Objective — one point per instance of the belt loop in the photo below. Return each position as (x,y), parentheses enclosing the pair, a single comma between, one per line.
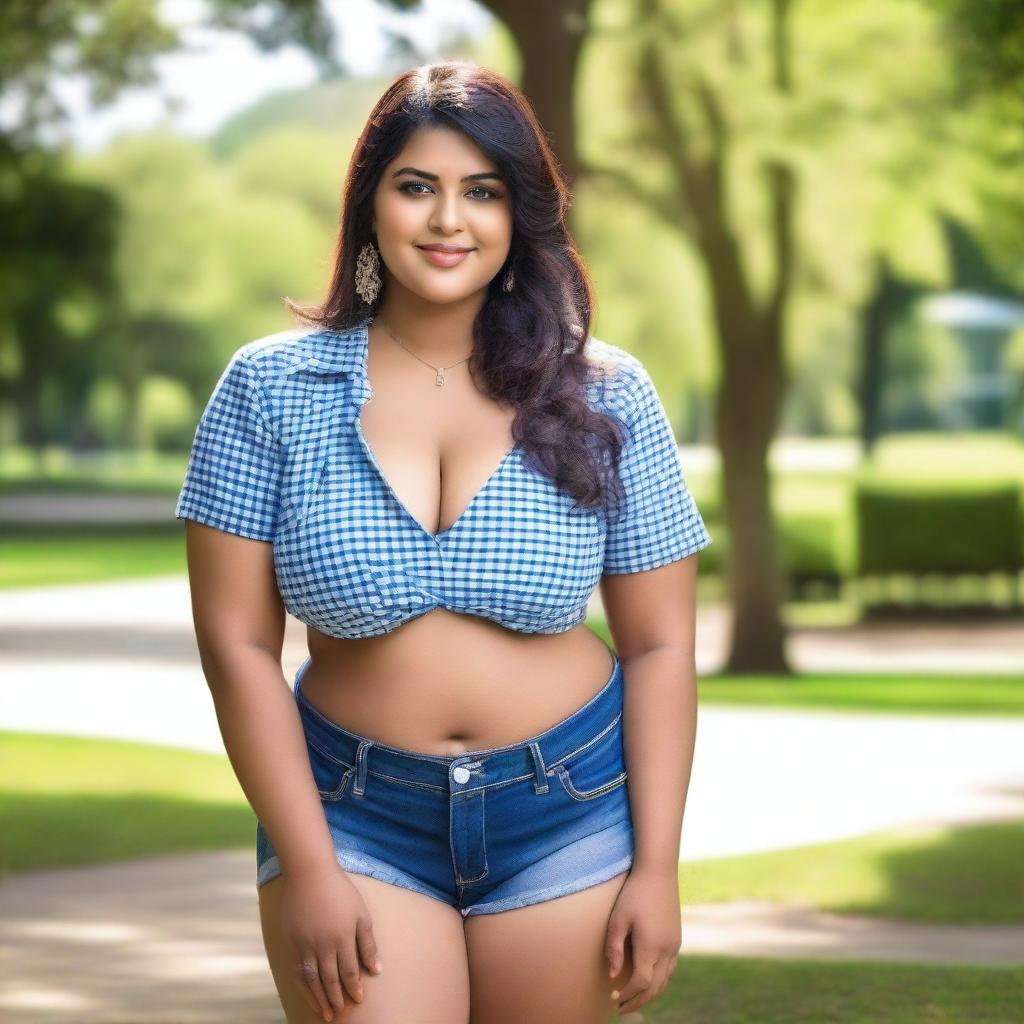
(540,784)
(359,786)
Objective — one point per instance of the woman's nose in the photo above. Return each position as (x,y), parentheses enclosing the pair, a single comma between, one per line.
(446,215)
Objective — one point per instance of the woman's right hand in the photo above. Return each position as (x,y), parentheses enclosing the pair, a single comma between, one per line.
(328,929)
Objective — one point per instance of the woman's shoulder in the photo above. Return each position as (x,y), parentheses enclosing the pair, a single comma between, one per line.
(611,359)
(274,357)
(616,377)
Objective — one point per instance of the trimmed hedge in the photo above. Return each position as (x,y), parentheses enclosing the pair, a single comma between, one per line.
(948,529)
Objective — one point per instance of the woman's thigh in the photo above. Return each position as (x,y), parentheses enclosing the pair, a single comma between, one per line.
(545,963)
(421,944)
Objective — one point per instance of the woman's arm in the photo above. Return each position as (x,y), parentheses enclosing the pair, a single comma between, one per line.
(651,617)
(231,499)
(239,625)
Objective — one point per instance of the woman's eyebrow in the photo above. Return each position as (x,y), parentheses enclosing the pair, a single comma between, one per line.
(433,177)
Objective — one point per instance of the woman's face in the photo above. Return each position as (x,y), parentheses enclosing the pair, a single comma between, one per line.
(422,199)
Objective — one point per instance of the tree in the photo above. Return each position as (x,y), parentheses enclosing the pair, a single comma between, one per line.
(56,239)
(747,127)
(750,327)
(112,46)
(988,42)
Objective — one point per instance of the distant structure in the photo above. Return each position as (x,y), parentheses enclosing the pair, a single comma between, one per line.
(987,397)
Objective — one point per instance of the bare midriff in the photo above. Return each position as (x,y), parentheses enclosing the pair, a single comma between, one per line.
(445,683)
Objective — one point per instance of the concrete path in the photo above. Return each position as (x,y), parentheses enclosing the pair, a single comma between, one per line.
(86,507)
(168,939)
(177,938)
(153,616)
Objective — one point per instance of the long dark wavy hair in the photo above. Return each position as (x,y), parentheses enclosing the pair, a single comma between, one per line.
(529,344)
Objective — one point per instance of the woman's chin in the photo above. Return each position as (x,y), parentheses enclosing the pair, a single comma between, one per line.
(442,293)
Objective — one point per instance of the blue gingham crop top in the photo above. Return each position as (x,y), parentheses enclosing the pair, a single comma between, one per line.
(279,455)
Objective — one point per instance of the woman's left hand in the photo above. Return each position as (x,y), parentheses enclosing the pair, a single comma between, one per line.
(648,911)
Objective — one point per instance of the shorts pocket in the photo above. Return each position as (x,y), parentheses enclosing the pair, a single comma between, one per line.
(330,773)
(597,768)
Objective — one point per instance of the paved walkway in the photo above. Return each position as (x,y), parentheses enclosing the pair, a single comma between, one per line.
(153,617)
(86,507)
(177,938)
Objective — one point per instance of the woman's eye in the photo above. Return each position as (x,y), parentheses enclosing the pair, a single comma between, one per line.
(410,185)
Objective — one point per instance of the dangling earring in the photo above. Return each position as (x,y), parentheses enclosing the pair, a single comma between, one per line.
(367,277)
(509,281)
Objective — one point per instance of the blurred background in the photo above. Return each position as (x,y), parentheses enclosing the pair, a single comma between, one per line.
(806,219)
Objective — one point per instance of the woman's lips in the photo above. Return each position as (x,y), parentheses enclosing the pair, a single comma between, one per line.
(444,259)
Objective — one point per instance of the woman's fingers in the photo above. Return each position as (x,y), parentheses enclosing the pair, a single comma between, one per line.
(367,945)
(312,988)
(654,988)
(348,964)
(639,981)
(331,979)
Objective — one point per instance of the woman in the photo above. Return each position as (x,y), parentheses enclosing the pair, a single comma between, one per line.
(434,473)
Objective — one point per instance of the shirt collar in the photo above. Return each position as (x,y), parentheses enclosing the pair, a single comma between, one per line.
(329,351)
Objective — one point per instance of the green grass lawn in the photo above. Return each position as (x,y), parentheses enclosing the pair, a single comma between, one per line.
(966,874)
(933,694)
(87,557)
(102,800)
(748,990)
(92,800)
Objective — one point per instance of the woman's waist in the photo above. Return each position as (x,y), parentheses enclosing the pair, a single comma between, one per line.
(442,694)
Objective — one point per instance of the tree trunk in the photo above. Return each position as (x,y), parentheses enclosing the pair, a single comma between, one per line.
(549,36)
(747,409)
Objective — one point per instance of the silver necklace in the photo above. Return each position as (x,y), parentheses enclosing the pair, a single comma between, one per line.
(438,370)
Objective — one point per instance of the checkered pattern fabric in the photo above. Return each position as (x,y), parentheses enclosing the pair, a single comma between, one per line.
(279,455)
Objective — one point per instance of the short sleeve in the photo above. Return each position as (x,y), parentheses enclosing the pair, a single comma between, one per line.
(233,479)
(659,522)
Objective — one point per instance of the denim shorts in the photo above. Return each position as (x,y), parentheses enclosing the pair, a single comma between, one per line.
(485,830)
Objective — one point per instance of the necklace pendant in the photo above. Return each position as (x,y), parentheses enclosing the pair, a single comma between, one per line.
(439,377)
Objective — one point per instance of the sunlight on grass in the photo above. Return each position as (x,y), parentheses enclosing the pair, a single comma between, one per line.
(954,693)
(101,800)
(761,990)
(948,457)
(967,874)
(37,561)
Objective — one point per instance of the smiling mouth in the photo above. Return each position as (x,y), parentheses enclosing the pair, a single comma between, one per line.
(442,257)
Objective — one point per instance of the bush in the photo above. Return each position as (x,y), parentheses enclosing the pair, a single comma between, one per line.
(932,529)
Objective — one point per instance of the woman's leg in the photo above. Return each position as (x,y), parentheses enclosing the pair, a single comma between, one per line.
(545,963)
(421,945)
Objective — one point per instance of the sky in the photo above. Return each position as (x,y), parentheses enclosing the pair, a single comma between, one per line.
(219,73)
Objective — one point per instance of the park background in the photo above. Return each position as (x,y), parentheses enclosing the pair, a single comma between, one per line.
(806,219)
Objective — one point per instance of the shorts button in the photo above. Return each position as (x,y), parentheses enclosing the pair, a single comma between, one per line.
(460,774)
